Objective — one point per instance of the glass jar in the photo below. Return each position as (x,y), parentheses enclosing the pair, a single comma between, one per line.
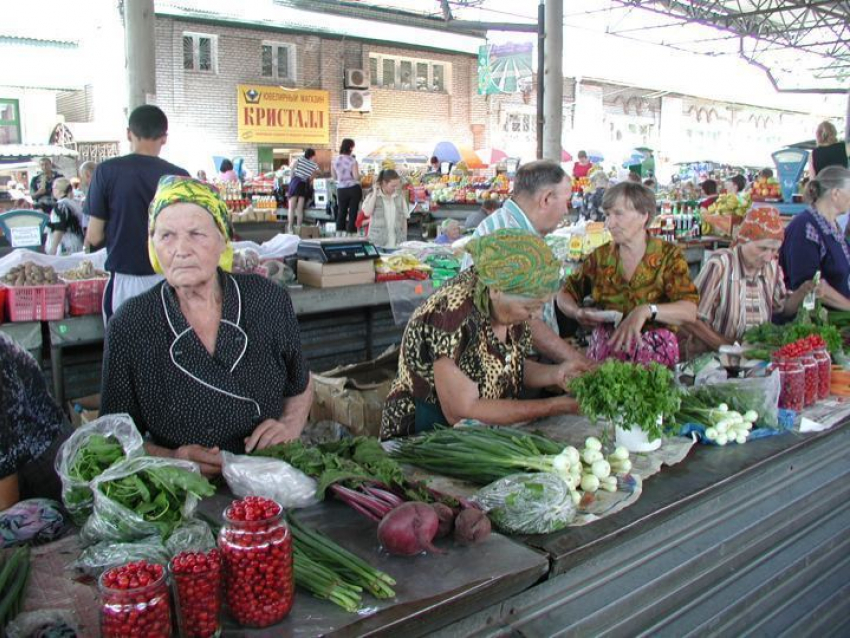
(824,362)
(138,611)
(257,559)
(792,384)
(196,581)
(812,382)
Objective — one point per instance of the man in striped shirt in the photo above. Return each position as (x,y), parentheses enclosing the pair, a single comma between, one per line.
(302,174)
(538,204)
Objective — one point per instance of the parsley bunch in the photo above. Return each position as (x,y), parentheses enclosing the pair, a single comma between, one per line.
(628,393)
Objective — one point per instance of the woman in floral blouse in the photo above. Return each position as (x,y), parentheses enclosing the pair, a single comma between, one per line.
(644,278)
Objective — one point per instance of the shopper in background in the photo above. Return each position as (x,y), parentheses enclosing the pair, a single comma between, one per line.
(66,221)
(349,194)
(121,191)
(709,190)
(202,175)
(736,185)
(488,206)
(583,166)
(86,174)
(593,203)
(41,186)
(450,231)
(303,172)
(226,173)
(386,209)
(829,151)
(434,165)
(642,277)
(814,242)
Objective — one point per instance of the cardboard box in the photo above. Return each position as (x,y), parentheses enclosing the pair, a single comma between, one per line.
(309,232)
(84,410)
(314,273)
(354,395)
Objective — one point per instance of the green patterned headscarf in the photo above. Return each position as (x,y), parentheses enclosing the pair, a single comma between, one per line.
(516,262)
(175,189)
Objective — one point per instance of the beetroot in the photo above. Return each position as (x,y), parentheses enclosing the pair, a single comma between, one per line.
(409,529)
(447,519)
(471,526)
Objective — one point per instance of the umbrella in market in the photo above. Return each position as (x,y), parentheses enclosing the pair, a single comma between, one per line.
(595,156)
(455,153)
(565,156)
(398,153)
(491,155)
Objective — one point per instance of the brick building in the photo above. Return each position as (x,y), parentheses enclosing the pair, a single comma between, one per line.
(419,95)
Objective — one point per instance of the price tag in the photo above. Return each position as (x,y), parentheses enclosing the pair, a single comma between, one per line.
(25,236)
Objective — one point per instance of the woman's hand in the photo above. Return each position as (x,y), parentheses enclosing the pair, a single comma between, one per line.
(627,335)
(208,458)
(271,432)
(569,370)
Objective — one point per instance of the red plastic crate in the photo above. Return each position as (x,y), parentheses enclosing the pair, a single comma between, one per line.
(36,303)
(2,304)
(85,296)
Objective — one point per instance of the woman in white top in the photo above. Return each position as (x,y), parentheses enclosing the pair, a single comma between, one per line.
(346,174)
(386,209)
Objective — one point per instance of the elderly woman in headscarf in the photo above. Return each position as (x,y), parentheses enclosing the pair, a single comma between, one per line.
(206,360)
(742,286)
(465,351)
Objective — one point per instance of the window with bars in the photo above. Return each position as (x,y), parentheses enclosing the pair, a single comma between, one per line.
(408,74)
(278,61)
(518,123)
(10,122)
(199,52)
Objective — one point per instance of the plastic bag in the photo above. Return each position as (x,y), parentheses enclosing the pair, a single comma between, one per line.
(96,559)
(271,478)
(537,503)
(193,535)
(757,393)
(76,493)
(112,521)
(44,623)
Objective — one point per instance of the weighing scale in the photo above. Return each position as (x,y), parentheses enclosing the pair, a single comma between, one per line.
(790,164)
(334,251)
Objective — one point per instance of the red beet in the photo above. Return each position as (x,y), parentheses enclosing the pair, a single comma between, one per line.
(409,529)
(447,519)
(471,526)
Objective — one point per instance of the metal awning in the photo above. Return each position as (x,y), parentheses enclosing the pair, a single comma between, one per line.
(26,152)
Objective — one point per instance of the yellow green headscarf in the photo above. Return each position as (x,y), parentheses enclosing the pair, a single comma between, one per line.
(515,262)
(174,189)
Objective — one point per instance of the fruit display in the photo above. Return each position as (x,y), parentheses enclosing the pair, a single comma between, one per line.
(581,185)
(85,270)
(729,204)
(766,190)
(452,189)
(30,274)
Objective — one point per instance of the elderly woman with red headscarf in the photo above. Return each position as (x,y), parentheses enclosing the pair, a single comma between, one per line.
(742,286)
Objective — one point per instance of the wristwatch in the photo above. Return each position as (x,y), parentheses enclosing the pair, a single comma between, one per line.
(653,310)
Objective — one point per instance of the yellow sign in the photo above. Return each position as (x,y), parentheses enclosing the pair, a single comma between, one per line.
(271,114)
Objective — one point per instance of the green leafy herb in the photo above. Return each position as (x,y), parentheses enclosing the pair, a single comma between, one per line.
(629,394)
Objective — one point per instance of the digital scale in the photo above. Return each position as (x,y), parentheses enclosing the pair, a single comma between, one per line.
(334,251)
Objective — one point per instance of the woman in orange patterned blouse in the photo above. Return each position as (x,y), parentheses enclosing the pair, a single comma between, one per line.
(644,278)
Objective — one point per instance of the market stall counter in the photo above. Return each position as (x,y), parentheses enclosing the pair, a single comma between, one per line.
(736,539)
(431,590)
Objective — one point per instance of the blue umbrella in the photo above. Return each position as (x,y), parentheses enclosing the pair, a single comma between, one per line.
(595,157)
(447,152)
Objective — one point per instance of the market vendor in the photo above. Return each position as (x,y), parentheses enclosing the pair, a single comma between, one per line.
(450,231)
(464,354)
(32,427)
(386,209)
(644,278)
(814,242)
(206,360)
(742,287)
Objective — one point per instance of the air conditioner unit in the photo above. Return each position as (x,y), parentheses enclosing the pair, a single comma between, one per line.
(356,100)
(356,79)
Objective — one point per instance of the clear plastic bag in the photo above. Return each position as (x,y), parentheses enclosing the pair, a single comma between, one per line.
(76,493)
(96,559)
(538,503)
(752,393)
(271,478)
(112,521)
(193,535)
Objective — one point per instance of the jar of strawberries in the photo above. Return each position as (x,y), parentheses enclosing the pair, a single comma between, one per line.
(812,379)
(256,552)
(824,362)
(792,384)
(134,601)
(196,580)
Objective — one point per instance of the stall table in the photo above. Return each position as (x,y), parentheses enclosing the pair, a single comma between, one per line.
(258,232)
(27,334)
